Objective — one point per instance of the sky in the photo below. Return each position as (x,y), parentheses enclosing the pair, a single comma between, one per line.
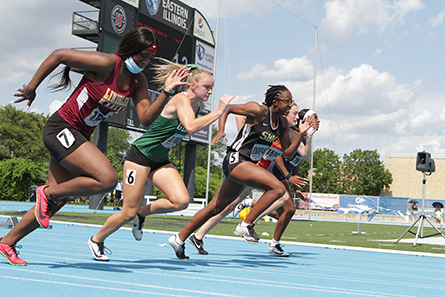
(376,72)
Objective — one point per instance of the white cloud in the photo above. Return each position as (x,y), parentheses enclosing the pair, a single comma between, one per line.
(54,106)
(442,114)
(365,90)
(346,17)
(437,20)
(363,108)
(28,37)
(231,8)
(421,118)
(361,104)
(293,69)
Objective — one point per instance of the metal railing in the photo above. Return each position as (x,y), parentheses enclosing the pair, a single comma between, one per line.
(84,26)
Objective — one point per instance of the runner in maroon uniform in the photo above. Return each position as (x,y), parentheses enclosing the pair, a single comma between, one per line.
(77,167)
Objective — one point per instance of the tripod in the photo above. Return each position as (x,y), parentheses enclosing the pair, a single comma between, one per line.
(421,219)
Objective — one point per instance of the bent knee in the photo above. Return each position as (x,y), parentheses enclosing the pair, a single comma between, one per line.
(130,213)
(182,203)
(228,210)
(280,193)
(289,210)
(216,211)
(283,197)
(108,183)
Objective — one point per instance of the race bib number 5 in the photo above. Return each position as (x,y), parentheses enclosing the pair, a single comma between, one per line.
(234,158)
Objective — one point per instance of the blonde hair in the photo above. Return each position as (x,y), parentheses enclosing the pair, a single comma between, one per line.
(163,69)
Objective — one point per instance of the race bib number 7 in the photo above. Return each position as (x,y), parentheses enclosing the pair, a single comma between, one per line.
(66,138)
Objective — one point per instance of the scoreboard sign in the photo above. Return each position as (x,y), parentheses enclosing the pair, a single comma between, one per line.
(117,17)
(184,38)
(174,45)
(174,14)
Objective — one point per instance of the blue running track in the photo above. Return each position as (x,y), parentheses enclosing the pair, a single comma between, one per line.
(60,264)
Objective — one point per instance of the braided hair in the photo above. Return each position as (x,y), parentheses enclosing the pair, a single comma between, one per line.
(272,93)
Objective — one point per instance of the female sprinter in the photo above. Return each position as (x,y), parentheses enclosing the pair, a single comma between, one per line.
(265,123)
(77,167)
(148,156)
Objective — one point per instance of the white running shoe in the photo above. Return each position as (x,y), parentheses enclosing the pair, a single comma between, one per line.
(179,249)
(98,250)
(246,202)
(247,233)
(278,251)
(138,223)
(237,209)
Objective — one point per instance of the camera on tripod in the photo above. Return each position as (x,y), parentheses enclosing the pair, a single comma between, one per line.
(425,163)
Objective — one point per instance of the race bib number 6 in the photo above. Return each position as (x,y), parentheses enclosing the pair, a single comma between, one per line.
(130,177)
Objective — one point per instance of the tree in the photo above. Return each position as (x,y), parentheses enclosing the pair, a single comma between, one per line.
(326,176)
(21,135)
(218,153)
(117,146)
(201,182)
(364,174)
(16,175)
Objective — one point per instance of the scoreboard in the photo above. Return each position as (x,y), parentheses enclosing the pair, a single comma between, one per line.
(184,37)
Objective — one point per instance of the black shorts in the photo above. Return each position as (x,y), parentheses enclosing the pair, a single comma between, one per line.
(231,160)
(60,138)
(135,155)
(277,173)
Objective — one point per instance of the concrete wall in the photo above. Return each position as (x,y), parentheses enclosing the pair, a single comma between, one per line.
(407,181)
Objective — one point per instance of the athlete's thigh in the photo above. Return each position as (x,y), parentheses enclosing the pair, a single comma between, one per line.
(226,194)
(238,199)
(135,179)
(169,181)
(58,174)
(252,175)
(88,160)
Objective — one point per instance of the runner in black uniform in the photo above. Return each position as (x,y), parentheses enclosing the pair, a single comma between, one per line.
(264,124)
(282,169)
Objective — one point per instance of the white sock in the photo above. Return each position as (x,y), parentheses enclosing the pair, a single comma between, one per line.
(248,202)
(275,242)
(244,225)
(178,241)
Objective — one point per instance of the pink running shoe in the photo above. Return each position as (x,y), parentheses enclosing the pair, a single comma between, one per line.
(11,254)
(42,210)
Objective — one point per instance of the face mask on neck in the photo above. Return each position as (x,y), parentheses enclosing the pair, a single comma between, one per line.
(132,66)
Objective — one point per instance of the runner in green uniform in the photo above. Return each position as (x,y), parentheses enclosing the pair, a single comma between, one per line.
(148,156)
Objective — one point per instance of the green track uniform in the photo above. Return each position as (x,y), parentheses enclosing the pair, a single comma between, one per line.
(157,141)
